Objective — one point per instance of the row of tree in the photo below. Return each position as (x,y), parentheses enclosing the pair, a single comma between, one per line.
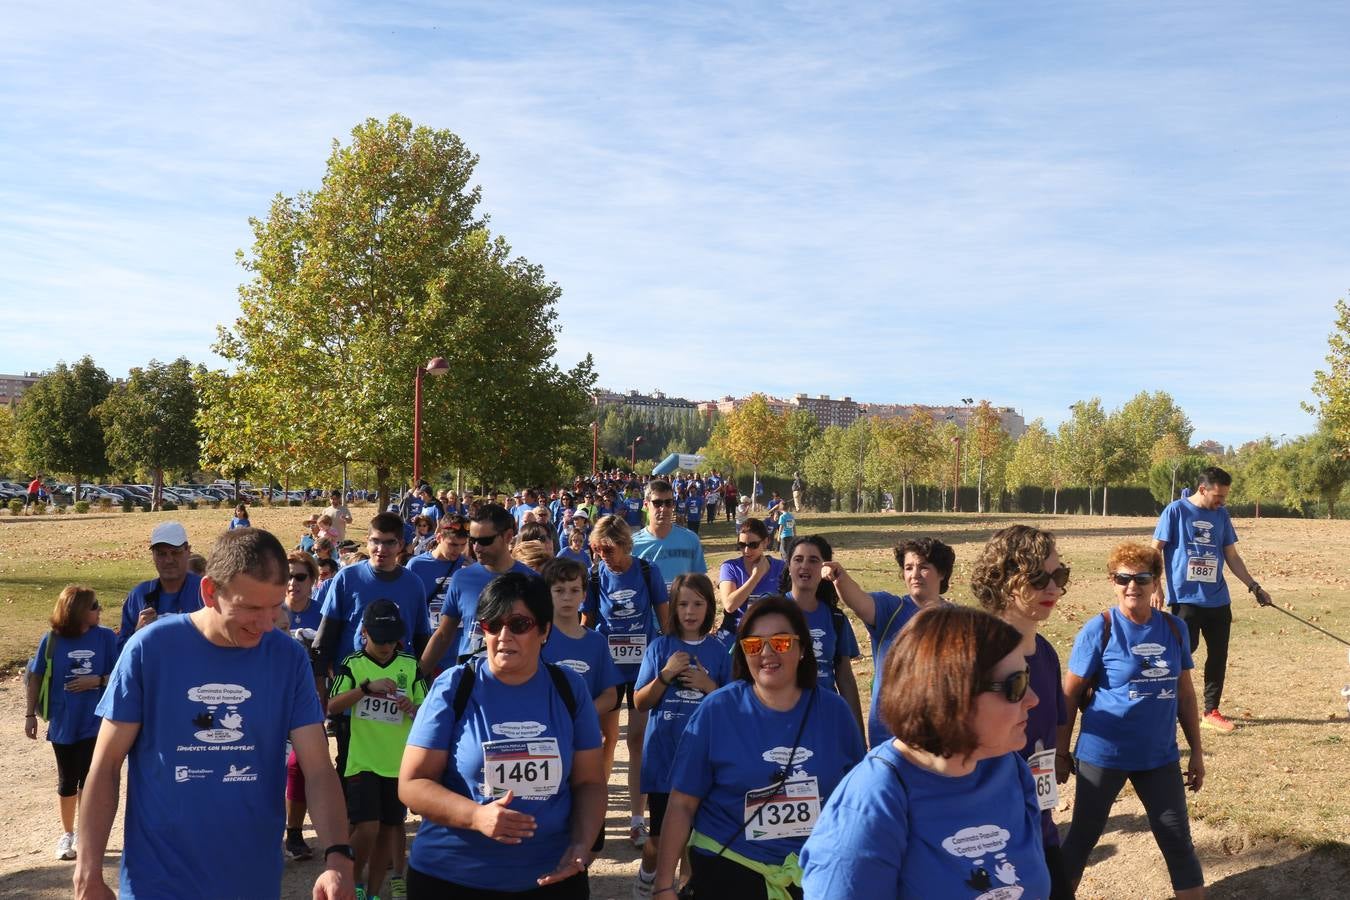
(1144,443)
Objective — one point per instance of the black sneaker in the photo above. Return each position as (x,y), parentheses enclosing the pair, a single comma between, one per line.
(297,849)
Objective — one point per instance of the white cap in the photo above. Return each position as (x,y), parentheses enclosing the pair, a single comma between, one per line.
(169,533)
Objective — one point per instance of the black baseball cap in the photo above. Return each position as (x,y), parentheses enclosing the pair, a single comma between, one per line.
(383,622)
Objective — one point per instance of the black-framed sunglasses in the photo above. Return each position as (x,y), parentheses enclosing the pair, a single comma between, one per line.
(1013,688)
(1042,579)
(516,624)
(663,503)
(747,545)
(297,576)
(484,540)
(95,607)
(1142,579)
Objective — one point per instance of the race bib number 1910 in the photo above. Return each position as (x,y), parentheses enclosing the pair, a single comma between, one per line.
(789,811)
(530,769)
(379,709)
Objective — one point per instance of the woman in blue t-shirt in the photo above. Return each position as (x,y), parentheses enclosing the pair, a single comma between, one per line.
(757,760)
(504,764)
(834,644)
(947,808)
(745,578)
(1018,577)
(80,653)
(680,668)
(1134,664)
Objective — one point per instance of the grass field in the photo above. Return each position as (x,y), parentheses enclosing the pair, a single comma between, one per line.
(1277,776)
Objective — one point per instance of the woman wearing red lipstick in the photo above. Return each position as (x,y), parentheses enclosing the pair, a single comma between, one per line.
(1019,578)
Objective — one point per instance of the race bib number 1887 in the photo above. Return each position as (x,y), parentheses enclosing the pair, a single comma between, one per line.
(1202,568)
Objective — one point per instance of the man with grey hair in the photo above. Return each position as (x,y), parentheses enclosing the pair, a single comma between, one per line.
(177,589)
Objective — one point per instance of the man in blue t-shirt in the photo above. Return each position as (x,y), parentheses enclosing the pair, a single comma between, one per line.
(672,549)
(200,707)
(1196,538)
(176,590)
(491,531)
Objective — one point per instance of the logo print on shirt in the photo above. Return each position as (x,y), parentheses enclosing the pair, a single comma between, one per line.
(240,773)
(976,844)
(818,642)
(217,726)
(81,662)
(622,605)
(519,729)
(1201,533)
(580,666)
(784,756)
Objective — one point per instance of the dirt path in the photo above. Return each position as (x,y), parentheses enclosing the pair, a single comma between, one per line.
(1126,865)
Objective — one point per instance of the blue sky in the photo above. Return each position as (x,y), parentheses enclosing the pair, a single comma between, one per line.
(902,202)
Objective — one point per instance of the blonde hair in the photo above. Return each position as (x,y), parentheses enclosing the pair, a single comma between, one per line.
(613,530)
(533,553)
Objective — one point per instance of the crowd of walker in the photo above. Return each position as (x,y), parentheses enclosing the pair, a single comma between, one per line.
(479,680)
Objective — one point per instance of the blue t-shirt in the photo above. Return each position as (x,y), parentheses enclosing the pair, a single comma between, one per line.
(237,522)
(580,556)
(787,524)
(518,513)
(461,601)
(893,829)
(632,511)
(735,571)
(1195,540)
(186,599)
(677,554)
(356,587)
(436,574)
(70,714)
(667,720)
(1131,723)
(515,724)
(625,607)
(214,725)
(892,613)
(587,655)
(830,643)
(309,617)
(734,744)
(693,508)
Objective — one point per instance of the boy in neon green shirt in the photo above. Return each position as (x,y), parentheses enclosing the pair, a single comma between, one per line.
(383,689)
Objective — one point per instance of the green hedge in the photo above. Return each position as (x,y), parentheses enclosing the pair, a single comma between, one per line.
(82,506)
(16,507)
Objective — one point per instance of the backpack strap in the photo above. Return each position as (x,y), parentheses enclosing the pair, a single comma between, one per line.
(466,681)
(840,622)
(881,635)
(45,689)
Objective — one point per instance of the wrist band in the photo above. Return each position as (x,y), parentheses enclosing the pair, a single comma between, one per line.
(1254,586)
(664,889)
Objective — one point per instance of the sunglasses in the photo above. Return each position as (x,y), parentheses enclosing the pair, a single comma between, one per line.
(753,645)
(95,607)
(663,504)
(747,545)
(1041,580)
(516,624)
(484,540)
(298,576)
(1013,688)
(1139,578)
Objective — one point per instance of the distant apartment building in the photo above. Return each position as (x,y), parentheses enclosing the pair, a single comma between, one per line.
(12,387)
(657,400)
(730,404)
(1012,422)
(843,412)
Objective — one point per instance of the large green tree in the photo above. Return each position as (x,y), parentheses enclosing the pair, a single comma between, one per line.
(1332,384)
(357,284)
(150,421)
(900,449)
(56,429)
(985,439)
(1083,442)
(754,436)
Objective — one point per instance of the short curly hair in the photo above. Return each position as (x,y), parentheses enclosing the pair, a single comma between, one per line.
(939,555)
(1007,562)
(614,530)
(1135,555)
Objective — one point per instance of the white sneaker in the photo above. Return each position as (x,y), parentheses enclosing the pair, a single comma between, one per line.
(642,888)
(65,848)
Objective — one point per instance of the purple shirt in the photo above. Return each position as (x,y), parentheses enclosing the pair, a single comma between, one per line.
(734,570)
(1045,717)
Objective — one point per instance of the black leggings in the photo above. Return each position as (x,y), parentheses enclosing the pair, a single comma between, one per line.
(1163,794)
(1213,623)
(72,765)
(716,877)
(422,886)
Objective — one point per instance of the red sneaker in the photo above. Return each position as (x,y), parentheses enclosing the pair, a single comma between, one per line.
(1215,719)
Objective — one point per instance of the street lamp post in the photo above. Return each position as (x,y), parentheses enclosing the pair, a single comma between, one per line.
(595,437)
(632,452)
(435,366)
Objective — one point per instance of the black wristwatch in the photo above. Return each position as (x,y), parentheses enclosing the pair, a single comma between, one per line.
(345,849)
(365,689)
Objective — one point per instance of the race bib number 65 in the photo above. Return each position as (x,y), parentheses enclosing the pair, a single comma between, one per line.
(1043,771)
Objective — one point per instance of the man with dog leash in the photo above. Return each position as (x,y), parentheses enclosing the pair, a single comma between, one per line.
(1197,539)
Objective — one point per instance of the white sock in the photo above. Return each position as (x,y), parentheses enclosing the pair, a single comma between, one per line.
(636,821)
(645,876)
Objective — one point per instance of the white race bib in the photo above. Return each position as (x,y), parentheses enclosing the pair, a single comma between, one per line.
(530,769)
(789,811)
(1043,770)
(434,608)
(1201,568)
(627,648)
(379,709)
